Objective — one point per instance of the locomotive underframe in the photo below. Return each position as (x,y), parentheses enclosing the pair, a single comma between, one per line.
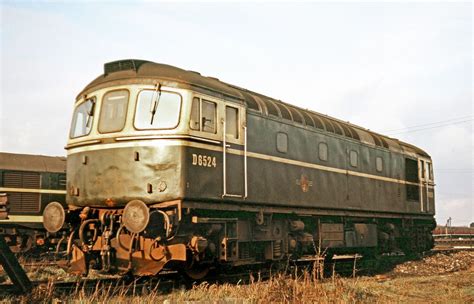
(23,238)
(203,238)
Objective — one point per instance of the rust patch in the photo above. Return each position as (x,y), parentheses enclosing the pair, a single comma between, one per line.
(78,264)
(166,166)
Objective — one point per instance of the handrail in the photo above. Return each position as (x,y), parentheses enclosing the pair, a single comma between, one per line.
(245,162)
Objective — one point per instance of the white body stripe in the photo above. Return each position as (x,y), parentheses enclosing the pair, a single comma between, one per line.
(181,142)
(25,190)
(23,219)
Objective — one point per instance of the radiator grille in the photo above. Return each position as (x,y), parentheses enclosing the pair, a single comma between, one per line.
(30,180)
(23,202)
(12,180)
(30,202)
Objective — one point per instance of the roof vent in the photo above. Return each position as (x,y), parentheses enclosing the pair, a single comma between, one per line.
(123,65)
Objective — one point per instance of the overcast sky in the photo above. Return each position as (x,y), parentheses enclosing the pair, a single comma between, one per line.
(387,67)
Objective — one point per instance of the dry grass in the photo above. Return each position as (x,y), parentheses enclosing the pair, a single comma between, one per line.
(453,287)
(279,289)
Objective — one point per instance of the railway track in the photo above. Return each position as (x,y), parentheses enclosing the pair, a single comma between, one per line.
(164,282)
(453,242)
(168,281)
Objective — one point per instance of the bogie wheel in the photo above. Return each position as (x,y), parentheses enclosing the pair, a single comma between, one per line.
(197,271)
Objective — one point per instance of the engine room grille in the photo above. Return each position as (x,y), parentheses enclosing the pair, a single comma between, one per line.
(123,65)
(24,202)
(30,180)
(20,202)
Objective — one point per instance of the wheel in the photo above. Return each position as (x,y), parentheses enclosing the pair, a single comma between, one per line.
(197,271)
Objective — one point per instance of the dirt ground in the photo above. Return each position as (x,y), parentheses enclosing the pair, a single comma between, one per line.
(435,279)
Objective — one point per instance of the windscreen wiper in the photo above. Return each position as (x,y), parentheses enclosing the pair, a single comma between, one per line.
(155,102)
(90,112)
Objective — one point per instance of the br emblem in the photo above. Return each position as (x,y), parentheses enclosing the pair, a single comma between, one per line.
(304,183)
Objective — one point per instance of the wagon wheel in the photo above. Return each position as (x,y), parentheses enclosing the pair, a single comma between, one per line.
(197,271)
(27,243)
(21,243)
(12,242)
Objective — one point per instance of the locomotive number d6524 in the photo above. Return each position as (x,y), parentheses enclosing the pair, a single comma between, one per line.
(204,160)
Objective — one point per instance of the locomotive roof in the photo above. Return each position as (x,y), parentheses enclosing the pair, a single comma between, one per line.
(28,162)
(142,71)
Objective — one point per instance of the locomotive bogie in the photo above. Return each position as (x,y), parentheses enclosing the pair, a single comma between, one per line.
(198,238)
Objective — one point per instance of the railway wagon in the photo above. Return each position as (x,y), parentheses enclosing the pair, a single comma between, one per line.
(30,183)
(171,169)
(453,230)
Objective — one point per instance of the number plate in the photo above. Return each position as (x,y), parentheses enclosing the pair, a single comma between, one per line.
(204,161)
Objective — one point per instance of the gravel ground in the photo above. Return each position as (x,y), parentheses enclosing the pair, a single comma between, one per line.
(440,263)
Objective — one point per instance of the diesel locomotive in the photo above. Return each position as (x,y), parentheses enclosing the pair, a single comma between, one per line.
(169,169)
(30,182)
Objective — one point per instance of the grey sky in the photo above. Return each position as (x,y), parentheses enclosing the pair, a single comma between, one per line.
(382,66)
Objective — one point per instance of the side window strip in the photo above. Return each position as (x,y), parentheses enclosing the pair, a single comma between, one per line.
(323,151)
(282,142)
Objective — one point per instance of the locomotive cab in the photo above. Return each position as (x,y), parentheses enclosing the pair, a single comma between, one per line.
(122,140)
(150,130)
(134,153)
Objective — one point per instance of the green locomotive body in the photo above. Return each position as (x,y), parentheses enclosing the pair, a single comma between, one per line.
(168,168)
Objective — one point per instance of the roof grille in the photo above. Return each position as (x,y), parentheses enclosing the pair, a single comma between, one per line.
(123,65)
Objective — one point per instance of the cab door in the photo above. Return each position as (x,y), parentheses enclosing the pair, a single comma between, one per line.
(426,185)
(234,150)
(429,180)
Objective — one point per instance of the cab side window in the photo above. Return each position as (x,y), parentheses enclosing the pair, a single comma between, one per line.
(208,120)
(203,115)
(195,114)
(232,122)
(422,169)
(430,171)
(411,175)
